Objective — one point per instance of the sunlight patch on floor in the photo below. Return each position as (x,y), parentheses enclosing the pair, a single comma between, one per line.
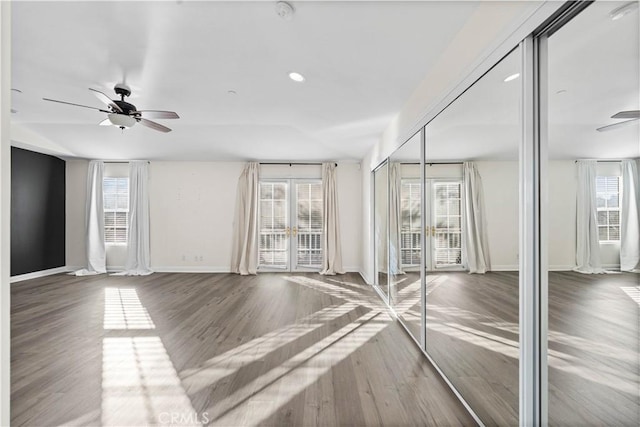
(231,361)
(123,310)
(280,384)
(140,385)
(632,292)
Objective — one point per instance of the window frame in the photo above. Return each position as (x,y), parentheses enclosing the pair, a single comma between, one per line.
(608,209)
(118,183)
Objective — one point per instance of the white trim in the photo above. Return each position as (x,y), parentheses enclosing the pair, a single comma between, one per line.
(191,269)
(364,277)
(562,267)
(505,267)
(36,274)
(5,212)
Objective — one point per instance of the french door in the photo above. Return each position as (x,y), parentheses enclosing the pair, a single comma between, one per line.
(290,221)
(444,224)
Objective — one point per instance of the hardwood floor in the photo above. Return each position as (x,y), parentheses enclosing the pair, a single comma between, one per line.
(594,354)
(217,349)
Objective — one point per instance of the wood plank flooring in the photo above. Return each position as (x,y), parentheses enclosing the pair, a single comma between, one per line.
(594,354)
(217,349)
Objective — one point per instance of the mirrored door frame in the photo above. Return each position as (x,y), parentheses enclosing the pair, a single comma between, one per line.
(533,244)
(376,259)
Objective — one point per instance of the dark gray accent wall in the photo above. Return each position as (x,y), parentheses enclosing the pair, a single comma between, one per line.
(37,212)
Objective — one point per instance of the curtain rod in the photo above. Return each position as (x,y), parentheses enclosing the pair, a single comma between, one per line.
(123,162)
(445,163)
(294,163)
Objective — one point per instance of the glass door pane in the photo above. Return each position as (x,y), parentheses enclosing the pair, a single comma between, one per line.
(307,231)
(405,226)
(273,251)
(381,227)
(593,105)
(472,171)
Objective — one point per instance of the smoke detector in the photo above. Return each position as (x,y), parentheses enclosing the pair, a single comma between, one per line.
(284,10)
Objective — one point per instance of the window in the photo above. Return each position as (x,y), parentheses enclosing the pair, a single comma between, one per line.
(448,223)
(410,222)
(116,209)
(608,206)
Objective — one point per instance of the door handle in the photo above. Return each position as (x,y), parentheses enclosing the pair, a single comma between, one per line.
(287,231)
(295,231)
(433,230)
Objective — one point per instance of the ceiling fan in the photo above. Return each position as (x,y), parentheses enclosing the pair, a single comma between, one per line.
(124,115)
(632,115)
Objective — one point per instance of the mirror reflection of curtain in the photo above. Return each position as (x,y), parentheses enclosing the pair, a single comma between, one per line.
(395,218)
(587,242)
(630,218)
(475,230)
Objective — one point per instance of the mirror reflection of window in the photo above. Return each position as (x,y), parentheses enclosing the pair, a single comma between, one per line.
(593,227)
(472,238)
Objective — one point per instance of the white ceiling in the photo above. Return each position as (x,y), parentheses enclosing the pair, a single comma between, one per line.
(362,60)
(595,60)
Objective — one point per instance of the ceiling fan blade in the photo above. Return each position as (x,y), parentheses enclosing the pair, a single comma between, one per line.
(633,114)
(615,125)
(105,122)
(77,105)
(153,125)
(104,98)
(157,114)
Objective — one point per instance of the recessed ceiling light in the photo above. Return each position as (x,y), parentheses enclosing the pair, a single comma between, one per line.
(511,77)
(232,92)
(623,10)
(296,77)
(561,91)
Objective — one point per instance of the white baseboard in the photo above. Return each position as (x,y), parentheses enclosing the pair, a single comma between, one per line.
(561,267)
(190,269)
(36,274)
(505,267)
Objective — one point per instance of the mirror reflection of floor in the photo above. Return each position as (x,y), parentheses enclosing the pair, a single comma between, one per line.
(472,333)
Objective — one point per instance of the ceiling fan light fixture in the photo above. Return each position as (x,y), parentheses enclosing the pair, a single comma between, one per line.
(623,10)
(121,120)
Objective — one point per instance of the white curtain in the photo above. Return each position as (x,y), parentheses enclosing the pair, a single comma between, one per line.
(474,235)
(94,222)
(587,241)
(138,261)
(630,218)
(331,250)
(395,218)
(244,256)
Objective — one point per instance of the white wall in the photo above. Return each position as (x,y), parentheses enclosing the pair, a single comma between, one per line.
(500,185)
(76,186)
(191,212)
(192,206)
